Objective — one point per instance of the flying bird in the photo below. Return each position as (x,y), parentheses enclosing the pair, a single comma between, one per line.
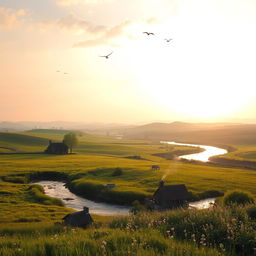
(149,33)
(168,40)
(106,56)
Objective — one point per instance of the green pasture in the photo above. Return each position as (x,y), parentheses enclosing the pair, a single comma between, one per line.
(242,152)
(27,215)
(96,159)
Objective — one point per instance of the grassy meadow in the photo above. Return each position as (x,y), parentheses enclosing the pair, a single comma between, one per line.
(27,214)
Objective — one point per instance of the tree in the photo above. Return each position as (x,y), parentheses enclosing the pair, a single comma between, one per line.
(70,140)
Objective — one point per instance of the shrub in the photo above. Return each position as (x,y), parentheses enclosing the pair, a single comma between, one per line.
(137,207)
(117,172)
(83,187)
(251,211)
(237,197)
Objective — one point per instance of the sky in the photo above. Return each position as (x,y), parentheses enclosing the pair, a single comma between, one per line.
(51,67)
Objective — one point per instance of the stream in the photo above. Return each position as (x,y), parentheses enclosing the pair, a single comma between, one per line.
(58,189)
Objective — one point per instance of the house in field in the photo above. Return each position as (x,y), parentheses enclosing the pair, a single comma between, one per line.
(155,167)
(58,148)
(170,196)
(80,219)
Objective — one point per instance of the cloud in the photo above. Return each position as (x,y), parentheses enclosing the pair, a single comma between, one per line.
(152,21)
(78,2)
(10,18)
(70,22)
(106,36)
(97,34)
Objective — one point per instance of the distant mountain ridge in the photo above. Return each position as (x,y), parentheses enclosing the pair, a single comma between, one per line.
(214,133)
(58,125)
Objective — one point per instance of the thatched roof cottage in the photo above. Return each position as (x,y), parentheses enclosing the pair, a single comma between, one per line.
(58,148)
(80,219)
(171,196)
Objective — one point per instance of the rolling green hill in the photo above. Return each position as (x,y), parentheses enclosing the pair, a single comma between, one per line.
(21,142)
(233,134)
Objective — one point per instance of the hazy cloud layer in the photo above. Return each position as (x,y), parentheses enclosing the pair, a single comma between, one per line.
(71,22)
(106,36)
(114,32)
(77,2)
(96,34)
(10,18)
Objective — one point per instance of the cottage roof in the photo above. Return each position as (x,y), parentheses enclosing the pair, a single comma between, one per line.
(56,148)
(78,218)
(172,192)
(59,145)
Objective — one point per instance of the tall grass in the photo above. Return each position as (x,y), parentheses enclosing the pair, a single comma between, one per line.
(230,229)
(76,242)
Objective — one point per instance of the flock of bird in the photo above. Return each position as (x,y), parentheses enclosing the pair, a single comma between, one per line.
(168,40)
(148,34)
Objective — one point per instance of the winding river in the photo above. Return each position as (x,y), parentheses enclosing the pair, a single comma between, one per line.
(204,156)
(58,189)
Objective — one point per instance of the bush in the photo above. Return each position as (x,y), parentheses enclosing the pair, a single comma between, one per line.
(117,172)
(237,197)
(137,207)
(251,211)
(90,189)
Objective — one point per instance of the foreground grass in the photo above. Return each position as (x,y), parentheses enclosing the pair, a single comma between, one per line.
(217,231)
(56,240)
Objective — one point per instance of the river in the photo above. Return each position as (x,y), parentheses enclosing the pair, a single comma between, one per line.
(58,189)
(204,156)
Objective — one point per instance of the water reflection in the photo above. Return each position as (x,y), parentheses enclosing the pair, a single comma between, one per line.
(202,156)
(57,189)
(203,204)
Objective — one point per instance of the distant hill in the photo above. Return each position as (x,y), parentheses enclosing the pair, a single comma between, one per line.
(57,125)
(48,131)
(217,133)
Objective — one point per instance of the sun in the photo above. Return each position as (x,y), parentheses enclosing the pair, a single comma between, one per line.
(191,80)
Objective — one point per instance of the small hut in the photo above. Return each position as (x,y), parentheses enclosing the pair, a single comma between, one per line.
(58,148)
(155,167)
(80,219)
(171,196)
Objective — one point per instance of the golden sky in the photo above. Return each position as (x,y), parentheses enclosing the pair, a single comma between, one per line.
(51,69)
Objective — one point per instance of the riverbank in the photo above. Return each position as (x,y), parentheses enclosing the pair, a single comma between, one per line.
(59,190)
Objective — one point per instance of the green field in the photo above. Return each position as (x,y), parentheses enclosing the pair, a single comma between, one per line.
(93,164)
(96,158)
